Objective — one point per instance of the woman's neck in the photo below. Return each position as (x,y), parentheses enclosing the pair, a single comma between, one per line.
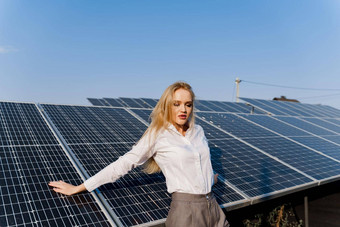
(182,128)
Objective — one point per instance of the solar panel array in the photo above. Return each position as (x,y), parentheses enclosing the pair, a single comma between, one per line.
(104,134)
(257,156)
(31,156)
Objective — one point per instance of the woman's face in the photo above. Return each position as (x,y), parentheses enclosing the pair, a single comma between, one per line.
(182,107)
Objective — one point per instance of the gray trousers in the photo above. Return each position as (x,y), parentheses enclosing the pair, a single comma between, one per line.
(190,210)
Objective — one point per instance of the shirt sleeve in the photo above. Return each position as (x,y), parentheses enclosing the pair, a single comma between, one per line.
(138,155)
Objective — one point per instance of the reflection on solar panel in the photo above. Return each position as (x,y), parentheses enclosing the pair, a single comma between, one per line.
(30,157)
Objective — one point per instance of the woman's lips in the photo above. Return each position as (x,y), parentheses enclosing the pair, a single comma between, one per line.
(183,116)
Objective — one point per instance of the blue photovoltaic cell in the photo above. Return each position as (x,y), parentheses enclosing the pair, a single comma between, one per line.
(151,102)
(278,106)
(324,124)
(235,125)
(320,110)
(243,108)
(263,106)
(304,159)
(142,103)
(332,120)
(22,124)
(321,145)
(213,105)
(275,125)
(335,139)
(305,125)
(97,102)
(94,124)
(251,171)
(201,107)
(135,103)
(113,102)
(143,113)
(27,164)
(26,199)
(296,108)
(335,112)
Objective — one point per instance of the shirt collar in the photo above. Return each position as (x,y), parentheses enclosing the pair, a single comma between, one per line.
(173,128)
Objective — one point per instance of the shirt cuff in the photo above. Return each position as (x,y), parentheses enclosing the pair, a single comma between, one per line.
(90,184)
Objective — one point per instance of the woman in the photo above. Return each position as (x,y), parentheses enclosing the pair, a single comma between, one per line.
(176,146)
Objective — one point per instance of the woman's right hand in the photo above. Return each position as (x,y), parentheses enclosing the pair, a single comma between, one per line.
(65,188)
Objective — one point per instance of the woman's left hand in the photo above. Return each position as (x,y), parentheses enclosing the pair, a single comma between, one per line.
(215,178)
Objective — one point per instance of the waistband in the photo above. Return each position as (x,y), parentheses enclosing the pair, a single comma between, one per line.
(179,196)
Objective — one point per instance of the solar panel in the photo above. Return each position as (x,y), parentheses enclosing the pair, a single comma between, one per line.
(135,103)
(312,128)
(275,125)
(297,156)
(335,139)
(263,106)
(201,107)
(296,108)
(98,102)
(151,102)
(324,124)
(114,102)
(293,108)
(332,120)
(255,155)
(250,171)
(235,125)
(211,105)
(30,157)
(321,145)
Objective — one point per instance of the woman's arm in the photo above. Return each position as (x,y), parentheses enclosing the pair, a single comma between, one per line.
(65,188)
(139,154)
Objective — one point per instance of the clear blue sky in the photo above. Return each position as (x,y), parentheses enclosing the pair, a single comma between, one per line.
(65,51)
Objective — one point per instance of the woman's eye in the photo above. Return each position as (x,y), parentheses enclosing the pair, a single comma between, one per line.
(176,104)
(189,105)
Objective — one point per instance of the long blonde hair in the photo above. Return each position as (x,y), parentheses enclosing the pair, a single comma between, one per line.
(161,117)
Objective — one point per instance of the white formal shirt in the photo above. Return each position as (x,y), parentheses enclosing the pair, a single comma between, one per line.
(184,161)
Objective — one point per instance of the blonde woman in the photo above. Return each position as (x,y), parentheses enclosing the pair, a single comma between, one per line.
(175,145)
